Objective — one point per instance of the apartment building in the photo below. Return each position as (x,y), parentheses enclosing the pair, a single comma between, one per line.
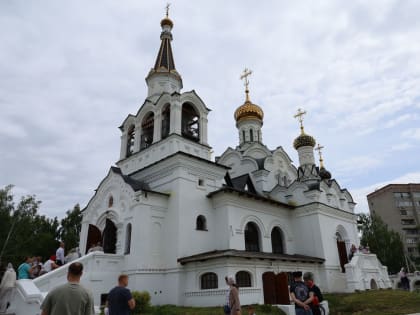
(399,206)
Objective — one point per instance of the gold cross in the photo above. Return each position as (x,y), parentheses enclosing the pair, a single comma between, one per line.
(299,116)
(244,76)
(319,148)
(167,9)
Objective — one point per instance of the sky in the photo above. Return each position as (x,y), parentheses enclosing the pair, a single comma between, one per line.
(71,72)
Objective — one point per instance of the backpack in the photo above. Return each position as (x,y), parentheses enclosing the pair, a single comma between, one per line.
(301,291)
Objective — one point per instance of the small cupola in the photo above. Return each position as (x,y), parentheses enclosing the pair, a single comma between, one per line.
(248,116)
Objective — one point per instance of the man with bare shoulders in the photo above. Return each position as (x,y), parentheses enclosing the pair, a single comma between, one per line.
(70,298)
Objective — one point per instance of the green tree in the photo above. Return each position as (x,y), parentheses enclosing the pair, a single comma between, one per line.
(23,232)
(385,243)
(71,226)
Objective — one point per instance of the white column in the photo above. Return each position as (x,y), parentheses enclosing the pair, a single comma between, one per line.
(157,127)
(123,145)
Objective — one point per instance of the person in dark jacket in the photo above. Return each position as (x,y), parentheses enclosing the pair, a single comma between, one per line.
(308,278)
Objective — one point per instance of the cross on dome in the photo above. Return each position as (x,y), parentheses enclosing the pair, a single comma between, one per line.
(299,116)
(167,9)
(244,76)
(319,149)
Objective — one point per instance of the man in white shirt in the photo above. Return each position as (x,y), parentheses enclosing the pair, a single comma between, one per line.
(59,254)
(49,265)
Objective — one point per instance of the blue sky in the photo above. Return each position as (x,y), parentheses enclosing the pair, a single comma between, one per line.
(71,72)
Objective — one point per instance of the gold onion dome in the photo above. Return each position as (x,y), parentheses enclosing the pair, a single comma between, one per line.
(304,140)
(167,21)
(248,110)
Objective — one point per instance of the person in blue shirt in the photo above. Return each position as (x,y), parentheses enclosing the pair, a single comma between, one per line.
(25,269)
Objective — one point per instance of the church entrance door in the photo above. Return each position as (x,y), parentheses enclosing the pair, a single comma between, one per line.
(275,287)
(94,237)
(282,289)
(269,287)
(342,254)
(109,237)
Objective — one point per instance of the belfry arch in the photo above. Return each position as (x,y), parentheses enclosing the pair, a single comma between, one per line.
(147,130)
(190,122)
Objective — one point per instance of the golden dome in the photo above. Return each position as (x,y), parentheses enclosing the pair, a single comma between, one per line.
(304,140)
(167,21)
(248,111)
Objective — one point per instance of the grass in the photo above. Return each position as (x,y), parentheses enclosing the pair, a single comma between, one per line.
(174,310)
(377,302)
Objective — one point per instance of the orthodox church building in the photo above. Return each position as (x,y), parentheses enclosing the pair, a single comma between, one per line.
(184,222)
(177,222)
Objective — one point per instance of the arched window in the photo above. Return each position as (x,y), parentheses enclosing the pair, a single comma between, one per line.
(127,239)
(147,127)
(209,281)
(251,135)
(277,240)
(252,237)
(130,141)
(201,223)
(110,201)
(243,279)
(243,136)
(166,121)
(190,126)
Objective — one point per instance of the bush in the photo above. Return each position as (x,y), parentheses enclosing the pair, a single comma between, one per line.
(142,299)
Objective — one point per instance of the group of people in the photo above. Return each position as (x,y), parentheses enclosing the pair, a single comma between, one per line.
(361,249)
(33,267)
(305,294)
(74,299)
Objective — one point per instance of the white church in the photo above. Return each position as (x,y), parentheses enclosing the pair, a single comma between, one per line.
(177,222)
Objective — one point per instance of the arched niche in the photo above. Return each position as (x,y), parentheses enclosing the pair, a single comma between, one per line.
(190,122)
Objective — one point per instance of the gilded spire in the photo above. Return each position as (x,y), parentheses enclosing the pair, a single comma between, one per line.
(323,173)
(319,149)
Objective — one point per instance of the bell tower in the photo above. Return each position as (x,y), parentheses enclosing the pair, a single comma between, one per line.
(169,121)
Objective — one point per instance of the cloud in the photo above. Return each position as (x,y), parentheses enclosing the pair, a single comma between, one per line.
(413,133)
(70,73)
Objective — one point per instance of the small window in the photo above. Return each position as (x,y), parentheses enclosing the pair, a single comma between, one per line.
(251,135)
(200,182)
(243,136)
(243,279)
(209,281)
(201,224)
(110,201)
